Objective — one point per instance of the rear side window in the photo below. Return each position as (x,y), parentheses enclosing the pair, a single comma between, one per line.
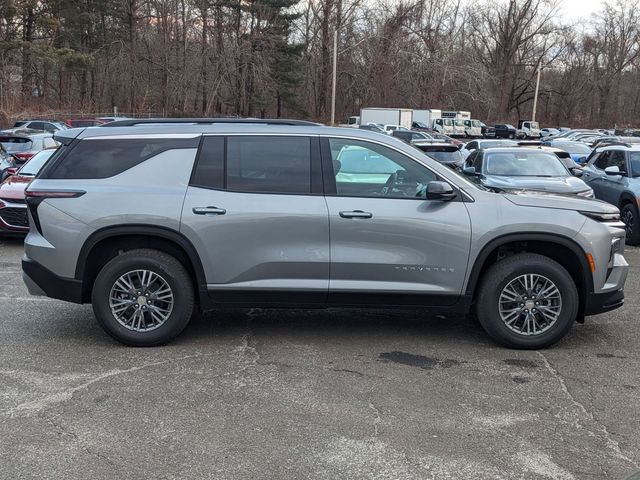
(269,164)
(103,158)
(209,171)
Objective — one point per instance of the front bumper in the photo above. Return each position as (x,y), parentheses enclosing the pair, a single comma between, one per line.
(41,281)
(604,302)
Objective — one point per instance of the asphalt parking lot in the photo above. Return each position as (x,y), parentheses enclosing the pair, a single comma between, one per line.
(313,394)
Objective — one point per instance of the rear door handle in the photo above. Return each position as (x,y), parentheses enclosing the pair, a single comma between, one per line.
(356,214)
(208,211)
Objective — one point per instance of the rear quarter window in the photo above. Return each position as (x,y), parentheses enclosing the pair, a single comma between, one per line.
(103,158)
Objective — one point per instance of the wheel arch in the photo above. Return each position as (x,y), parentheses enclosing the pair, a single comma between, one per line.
(557,247)
(107,243)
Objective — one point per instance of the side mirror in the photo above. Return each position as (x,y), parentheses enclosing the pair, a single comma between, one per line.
(440,191)
(582,160)
(11,171)
(471,171)
(613,171)
(577,172)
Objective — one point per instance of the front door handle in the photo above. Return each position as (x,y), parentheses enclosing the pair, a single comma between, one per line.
(356,214)
(208,211)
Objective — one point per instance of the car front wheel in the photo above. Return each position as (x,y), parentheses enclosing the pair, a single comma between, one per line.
(527,301)
(629,215)
(143,297)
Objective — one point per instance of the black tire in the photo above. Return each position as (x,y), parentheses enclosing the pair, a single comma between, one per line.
(170,270)
(499,275)
(631,219)
(512,136)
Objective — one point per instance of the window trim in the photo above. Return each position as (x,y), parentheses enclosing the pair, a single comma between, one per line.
(329,179)
(315,171)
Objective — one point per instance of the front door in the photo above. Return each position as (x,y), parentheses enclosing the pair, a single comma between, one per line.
(259,225)
(389,244)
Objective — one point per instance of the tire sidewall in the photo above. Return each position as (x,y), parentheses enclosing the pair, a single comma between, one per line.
(488,310)
(182,293)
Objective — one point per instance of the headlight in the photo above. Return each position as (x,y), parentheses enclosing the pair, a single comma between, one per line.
(586,193)
(602,217)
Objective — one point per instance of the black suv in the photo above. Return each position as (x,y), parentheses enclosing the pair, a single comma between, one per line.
(505,130)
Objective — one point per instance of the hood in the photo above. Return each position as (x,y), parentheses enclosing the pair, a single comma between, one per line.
(542,184)
(561,202)
(14,186)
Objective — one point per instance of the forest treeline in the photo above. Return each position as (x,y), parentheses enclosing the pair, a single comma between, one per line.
(273,58)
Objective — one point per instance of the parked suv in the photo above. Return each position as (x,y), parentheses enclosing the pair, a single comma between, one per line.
(151,219)
(505,131)
(614,174)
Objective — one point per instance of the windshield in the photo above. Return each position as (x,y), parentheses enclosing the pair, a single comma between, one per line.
(497,143)
(19,124)
(634,157)
(577,148)
(534,125)
(445,156)
(460,123)
(33,166)
(16,144)
(421,125)
(509,126)
(476,123)
(523,164)
(447,122)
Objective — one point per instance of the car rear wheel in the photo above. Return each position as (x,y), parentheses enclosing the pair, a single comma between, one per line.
(143,297)
(527,301)
(629,216)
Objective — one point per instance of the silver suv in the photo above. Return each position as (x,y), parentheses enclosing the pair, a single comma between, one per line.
(150,219)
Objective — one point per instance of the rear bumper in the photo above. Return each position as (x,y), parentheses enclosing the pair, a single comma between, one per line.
(604,302)
(41,281)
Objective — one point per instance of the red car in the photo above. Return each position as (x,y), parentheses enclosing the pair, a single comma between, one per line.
(84,122)
(13,208)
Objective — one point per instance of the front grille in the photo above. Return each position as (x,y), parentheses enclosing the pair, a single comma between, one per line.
(21,201)
(15,217)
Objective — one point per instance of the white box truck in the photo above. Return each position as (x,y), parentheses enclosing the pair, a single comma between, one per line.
(432,118)
(386,116)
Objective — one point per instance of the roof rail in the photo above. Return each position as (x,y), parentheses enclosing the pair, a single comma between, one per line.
(206,121)
(613,144)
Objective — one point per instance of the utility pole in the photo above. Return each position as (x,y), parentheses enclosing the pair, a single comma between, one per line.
(535,96)
(335,75)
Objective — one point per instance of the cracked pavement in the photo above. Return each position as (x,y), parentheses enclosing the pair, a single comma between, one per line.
(257,394)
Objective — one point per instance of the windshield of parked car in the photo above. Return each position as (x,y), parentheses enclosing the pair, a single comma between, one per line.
(19,124)
(460,123)
(476,123)
(534,125)
(510,126)
(421,125)
(573,148)
(16,144)
(523,164)
(33,166)
(445,156)
(497,143)
(634,157)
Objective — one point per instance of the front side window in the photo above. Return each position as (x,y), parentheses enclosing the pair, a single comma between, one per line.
(365,169)
(602,160)
(634,160)
(269,164)
(618,159)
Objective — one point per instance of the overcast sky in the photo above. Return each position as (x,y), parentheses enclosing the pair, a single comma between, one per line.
(575,9)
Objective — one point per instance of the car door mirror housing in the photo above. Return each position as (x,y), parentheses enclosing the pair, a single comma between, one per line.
(471,171)
(613,171)
(577,172)
(440,191)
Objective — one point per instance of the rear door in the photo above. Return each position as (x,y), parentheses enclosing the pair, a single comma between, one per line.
(389,244)
(255,212)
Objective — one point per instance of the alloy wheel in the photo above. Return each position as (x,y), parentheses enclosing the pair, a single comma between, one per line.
(141,300)
(530,304)
(628,220)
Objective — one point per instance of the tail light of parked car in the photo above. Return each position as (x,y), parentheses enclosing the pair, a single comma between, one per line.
(23,156)
(35,197)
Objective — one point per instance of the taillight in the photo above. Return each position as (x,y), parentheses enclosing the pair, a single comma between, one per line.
(35,197)
(23,156)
